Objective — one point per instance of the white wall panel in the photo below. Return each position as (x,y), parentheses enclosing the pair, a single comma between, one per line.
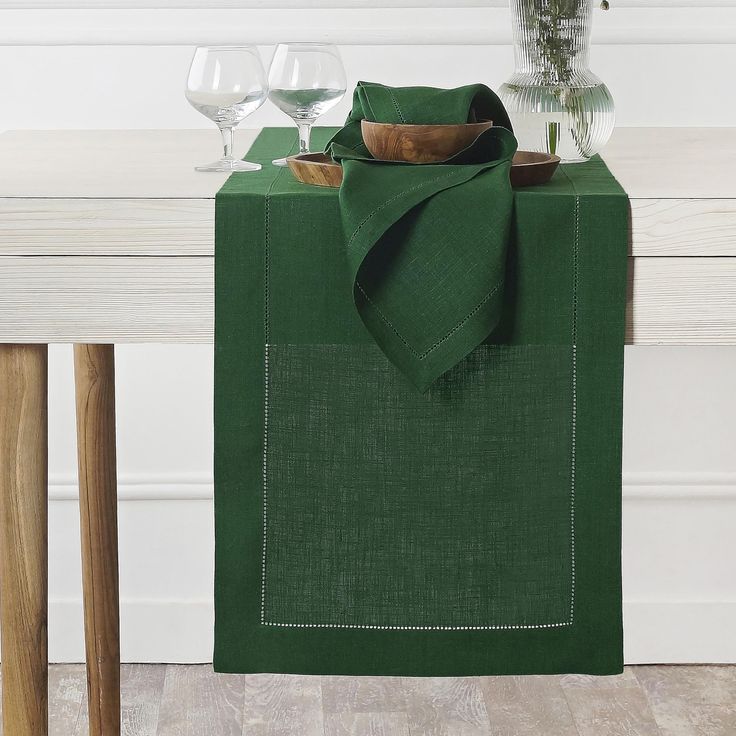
(291,4)
(142,86)
(436,25)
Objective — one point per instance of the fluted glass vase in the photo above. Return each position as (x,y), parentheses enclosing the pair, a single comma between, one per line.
(556,104)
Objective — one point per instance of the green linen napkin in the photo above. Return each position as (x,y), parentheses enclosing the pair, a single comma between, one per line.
(419,106)
(426,243)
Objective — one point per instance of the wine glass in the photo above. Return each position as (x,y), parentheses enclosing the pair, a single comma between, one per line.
(226,84)
(305,81)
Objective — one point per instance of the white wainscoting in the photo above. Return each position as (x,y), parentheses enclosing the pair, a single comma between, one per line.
(142,86)
(679,546)
(679,582)
(122,63)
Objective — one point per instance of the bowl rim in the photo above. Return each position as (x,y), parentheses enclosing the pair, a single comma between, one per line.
(486,124)
(313,158)
(549,158)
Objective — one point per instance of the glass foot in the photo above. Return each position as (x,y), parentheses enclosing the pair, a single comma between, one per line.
(227,164)
(279,162)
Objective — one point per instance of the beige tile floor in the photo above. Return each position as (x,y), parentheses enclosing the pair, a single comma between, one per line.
(170,700)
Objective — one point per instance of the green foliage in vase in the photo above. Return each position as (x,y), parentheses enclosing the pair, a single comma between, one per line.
(554,23)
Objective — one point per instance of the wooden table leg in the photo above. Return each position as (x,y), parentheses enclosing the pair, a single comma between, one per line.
(23,537)
(94,371)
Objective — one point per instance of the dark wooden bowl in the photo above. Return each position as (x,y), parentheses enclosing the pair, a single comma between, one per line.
(529,168)
(319,169)
(316,168)
(419,144)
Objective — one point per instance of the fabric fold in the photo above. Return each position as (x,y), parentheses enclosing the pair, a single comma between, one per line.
(419,106)
(426,243)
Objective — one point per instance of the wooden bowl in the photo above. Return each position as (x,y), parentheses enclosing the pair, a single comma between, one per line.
(419,144)
(529,168)
(316,168)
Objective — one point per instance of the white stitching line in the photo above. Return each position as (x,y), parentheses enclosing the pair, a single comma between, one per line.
(414,628)
(419,628)
(266,382)
(572,484)
(396,105)
(439,342)
(574,418)
(265,486)
(393,199)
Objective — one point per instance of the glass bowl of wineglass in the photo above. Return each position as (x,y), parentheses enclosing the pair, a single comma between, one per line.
(305,81)
(226,84)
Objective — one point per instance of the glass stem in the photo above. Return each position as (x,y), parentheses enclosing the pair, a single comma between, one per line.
(227,142)
(305,132)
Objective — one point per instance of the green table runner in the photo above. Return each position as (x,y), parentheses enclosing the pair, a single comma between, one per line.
(365,528)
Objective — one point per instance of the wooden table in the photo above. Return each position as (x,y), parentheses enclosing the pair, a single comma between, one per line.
(108,237)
